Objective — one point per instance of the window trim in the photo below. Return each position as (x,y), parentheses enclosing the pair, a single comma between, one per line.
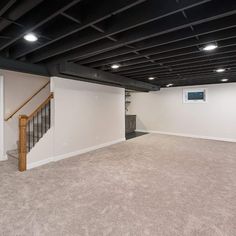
(186,91)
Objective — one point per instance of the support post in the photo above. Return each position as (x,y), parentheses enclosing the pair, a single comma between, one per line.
(23,119)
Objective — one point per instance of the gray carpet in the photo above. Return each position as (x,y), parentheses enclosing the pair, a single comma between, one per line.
(151,185)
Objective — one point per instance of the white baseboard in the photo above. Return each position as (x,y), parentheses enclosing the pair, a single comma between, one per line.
(39,163)
(71,154)
(82,151)
(4,158)
(189,135)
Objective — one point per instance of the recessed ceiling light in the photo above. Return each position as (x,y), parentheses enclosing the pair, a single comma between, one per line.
(224,80)
(220,70)
(151,78)
(210,47)
(169,85)
(30,37)
(115,66)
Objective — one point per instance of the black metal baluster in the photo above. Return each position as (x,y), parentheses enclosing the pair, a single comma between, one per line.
(48,123)
(49,114)
(45,119)
(28,136)
(41,115)
(37,126)
(33,132)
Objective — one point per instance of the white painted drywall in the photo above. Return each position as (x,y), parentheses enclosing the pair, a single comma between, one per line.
(165,112)
(42,152)
(18,87)
(85,117)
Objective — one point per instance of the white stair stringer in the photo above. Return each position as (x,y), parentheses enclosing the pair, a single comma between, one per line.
(42,152)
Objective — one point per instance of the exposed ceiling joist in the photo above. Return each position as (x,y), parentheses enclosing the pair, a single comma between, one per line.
(166,42)
(119,24)
(5,5)
(167,48)
(104,10)
(33,20)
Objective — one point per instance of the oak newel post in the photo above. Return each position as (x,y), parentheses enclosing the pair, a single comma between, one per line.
(23,119)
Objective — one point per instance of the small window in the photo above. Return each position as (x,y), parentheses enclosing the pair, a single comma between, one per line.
(194,95)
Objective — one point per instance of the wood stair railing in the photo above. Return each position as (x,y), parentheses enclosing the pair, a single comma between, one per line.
(27,101)
(32,128)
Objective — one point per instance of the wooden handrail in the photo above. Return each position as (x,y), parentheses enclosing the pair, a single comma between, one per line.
(41,106)
(27,101)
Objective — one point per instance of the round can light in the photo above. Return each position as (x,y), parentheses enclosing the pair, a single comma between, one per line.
(224,80)
(151,78)
(30,37)
(169,85)
(115,66)
(210,47)
(220,70)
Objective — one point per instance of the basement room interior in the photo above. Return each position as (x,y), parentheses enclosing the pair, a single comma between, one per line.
(118,118)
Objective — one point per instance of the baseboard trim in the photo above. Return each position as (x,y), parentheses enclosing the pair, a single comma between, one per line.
(72,154)
(39,163)
(85,150)
(189,135)
(4,158)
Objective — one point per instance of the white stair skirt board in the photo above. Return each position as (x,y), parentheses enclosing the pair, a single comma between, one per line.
(188,135)
(71,154)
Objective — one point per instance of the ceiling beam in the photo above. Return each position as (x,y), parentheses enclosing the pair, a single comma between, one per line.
(171,49)
(156,10)
(162,26)
(32,20)
(12,12)
(141,65)
(224,63)
(195,77)
(196,81)
(217,62)
(177,70)
(191,73)
(207,34)
(5,5)
(81,72)
(73,71)
(9,64)
(104,10)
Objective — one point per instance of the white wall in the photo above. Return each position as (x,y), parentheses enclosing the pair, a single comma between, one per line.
(18,87)
(164,111)
(86,116)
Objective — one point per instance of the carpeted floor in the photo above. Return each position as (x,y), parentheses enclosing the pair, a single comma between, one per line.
(151,185)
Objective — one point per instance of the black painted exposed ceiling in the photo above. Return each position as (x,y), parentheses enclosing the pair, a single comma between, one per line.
(158,38)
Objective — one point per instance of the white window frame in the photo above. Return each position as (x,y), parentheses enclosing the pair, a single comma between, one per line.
(2,151)
(189,90)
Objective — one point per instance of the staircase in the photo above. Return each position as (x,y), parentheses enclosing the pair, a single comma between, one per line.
(31,129)
(35,130)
